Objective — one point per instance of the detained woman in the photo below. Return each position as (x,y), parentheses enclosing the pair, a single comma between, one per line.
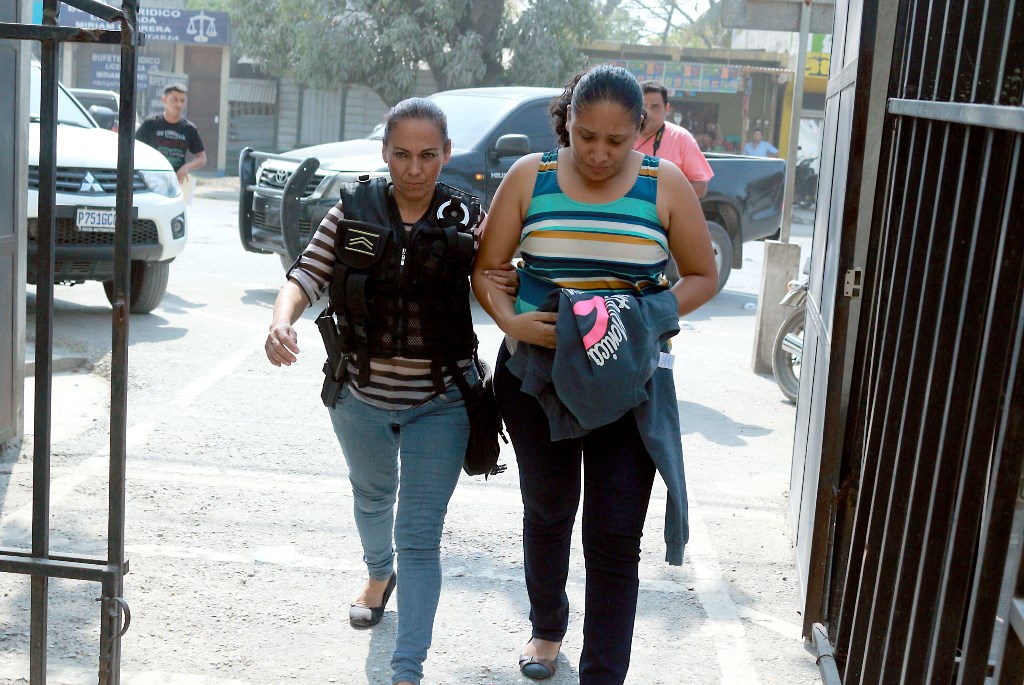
(597,217)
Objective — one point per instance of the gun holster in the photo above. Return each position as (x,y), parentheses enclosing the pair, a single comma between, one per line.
(336,367)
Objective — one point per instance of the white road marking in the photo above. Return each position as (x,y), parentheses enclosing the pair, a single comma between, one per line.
(63,485)
(14,669)
(135,436)
(235,323)
(59,489)
(69,418)
(190,392)
(724,624)
(772,623)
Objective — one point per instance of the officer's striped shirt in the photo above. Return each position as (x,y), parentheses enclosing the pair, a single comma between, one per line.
(395,382)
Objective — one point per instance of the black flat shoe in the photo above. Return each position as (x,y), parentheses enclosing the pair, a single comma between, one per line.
(536,668)
(367,617)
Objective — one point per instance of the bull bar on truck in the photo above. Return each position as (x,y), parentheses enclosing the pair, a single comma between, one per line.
(287,217)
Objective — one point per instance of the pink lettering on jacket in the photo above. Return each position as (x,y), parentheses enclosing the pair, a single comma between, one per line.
(585,307)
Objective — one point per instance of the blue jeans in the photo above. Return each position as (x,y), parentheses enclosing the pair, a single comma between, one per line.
(616,481)
(432,440)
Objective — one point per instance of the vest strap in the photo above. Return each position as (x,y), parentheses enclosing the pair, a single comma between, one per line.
(437,375)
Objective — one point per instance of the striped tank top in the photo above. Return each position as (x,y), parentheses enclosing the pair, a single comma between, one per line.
(601,247)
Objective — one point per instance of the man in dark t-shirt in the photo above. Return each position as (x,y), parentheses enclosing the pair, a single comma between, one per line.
(173,135)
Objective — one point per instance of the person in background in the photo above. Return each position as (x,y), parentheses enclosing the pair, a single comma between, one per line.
(758,147)
(173,135)
(661,138)
(596,217)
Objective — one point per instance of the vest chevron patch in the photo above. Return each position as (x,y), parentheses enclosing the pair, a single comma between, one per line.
(361,241)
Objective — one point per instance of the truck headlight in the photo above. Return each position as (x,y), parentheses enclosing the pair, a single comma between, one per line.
(332,189)
(162,182)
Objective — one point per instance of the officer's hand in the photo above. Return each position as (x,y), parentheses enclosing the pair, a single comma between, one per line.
(282,344)
(536,328)
(506,278)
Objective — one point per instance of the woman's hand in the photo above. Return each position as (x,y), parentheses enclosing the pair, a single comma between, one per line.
(282,344)
(505,277)
(282,341)
(536,328)
(501,232)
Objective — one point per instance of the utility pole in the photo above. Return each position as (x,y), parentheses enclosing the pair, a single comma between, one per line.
(794,119)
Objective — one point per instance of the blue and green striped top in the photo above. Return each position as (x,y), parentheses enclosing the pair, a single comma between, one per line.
(604,247)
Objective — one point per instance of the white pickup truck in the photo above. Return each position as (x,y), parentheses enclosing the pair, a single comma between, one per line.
(86,183)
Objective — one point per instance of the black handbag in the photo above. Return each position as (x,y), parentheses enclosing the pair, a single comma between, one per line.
(485,426)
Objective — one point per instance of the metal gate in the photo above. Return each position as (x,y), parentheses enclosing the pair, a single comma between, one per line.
(40,562)
(914,565)
(13,191)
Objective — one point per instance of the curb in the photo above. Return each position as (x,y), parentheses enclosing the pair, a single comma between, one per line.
(60,364)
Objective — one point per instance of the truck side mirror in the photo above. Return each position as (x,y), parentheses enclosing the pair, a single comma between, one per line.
(104,116)
(512,145)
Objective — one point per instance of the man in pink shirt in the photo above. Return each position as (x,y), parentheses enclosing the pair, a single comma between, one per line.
(660,138)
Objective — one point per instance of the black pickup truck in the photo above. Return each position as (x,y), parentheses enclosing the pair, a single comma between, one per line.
(283,197)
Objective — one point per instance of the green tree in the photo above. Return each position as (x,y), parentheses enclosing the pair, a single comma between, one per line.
(546,38)
(681,23)
(384,43)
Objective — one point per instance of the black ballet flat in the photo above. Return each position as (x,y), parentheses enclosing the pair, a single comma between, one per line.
(536,668)
(367,617)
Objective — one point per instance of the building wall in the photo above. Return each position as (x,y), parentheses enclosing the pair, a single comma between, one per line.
(175,46)
(287,115)
(309,117)
(772,41)
(815,74)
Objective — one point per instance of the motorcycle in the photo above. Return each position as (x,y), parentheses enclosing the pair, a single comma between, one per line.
(805,191)
(789,341)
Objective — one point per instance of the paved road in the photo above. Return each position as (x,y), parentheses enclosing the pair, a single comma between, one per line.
(243,553)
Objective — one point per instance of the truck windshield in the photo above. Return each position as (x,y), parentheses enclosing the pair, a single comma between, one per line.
(469,117)
(68,109)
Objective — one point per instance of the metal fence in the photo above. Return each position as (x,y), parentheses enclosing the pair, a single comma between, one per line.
(924,582)
(40,562)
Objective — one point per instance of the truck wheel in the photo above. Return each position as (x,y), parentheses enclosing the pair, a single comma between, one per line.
(285,262)
(149,283)
(722,244)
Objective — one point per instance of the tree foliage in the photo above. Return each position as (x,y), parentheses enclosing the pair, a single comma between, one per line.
(384,43)
(546,39)
(680,23)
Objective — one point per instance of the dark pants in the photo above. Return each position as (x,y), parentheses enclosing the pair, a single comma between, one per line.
(617,478)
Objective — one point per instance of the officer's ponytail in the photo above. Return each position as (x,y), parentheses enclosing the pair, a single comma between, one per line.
(416,108)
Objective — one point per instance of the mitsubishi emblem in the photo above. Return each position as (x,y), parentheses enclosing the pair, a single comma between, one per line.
(90,185)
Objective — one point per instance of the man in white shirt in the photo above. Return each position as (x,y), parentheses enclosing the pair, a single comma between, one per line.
(758,147)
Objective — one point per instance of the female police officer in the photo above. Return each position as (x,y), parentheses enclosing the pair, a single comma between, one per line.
(395,258)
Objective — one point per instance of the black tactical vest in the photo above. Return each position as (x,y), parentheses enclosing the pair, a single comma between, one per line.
(386,278)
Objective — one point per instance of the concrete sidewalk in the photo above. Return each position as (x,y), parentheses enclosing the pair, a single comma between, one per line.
(80,395)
